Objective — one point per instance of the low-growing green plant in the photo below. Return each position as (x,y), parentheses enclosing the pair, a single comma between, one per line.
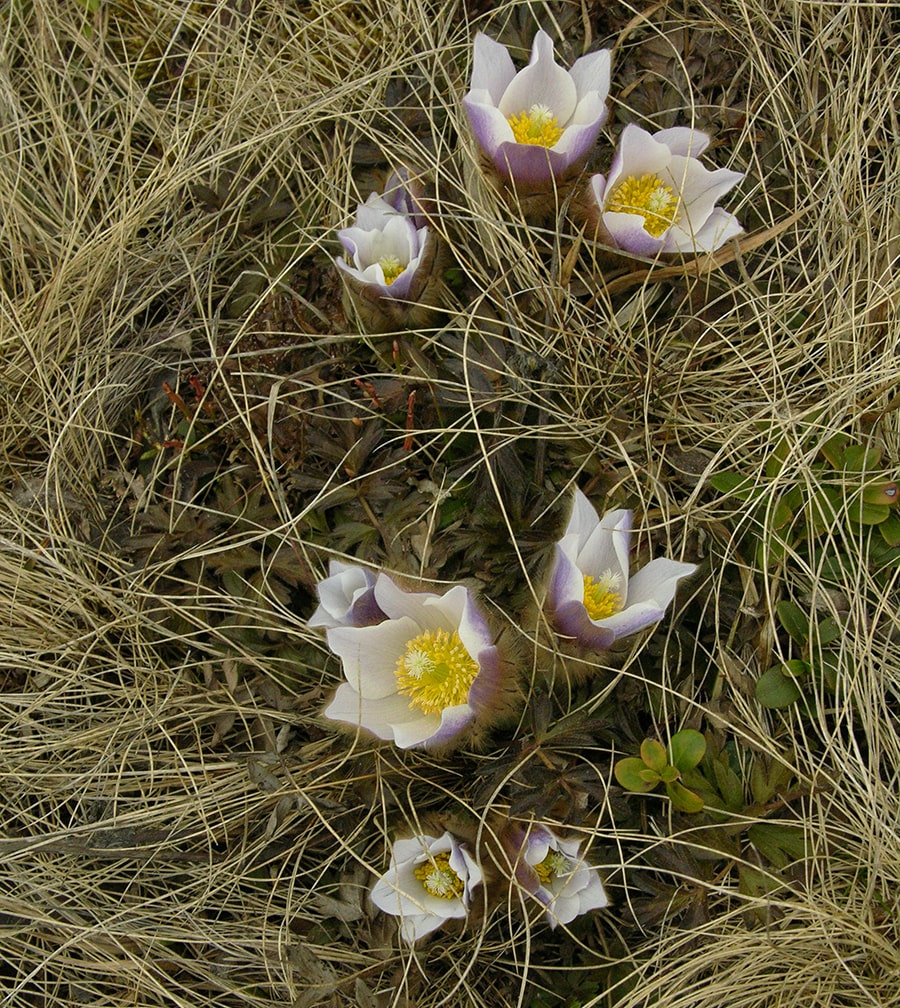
(667,765)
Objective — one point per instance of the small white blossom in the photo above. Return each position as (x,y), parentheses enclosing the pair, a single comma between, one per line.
(429,881)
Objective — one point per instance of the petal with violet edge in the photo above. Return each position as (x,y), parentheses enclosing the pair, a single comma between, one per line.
(628,233)
(699,190)
(542,82)
(637,154)
(657,581)
(591,73)
(606,548)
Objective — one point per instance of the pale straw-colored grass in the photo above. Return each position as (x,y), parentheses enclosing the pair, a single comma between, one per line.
(179,827)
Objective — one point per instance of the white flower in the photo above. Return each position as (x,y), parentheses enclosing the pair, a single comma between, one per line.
(429,881)
(346,597)
(553,870)
(421,677)
(659,198)
(591,596)
(540,122)
(385,247)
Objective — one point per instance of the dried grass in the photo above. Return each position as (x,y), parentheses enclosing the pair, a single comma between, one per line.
(179,827)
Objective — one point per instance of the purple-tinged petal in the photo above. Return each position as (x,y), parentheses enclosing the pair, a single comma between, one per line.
(566,583)
(699,189)
(346,598)
(630,620)
(683,140)
(578,139)
(419,729)
(492,67)
(489,126)
(571,619)
(542,82)
(606,548)
(627,233)
(531,164)
(452,722)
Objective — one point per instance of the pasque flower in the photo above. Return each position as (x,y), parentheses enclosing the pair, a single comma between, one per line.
(591,596)
(423,676)
(429,881)
(385,247)
(554,871)
(659,198)
(346,597)
(542,121)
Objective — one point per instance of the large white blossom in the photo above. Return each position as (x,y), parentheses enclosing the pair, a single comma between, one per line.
(423,676)
(659,198)
(591,596)
(429,881)
(554,870)
(540,122)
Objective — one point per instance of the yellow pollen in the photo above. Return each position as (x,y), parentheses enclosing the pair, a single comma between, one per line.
(438,878)
(650,198)
(553,865)
(391,267)
(435,672)
(536,126)
(600,596)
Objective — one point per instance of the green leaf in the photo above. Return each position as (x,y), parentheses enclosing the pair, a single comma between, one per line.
(880,493)
(833,450)
(653,754)
(795,668)
(775,690)
(671,773)
(870,514)
(828,630)
(858,458)
(729,784)
(779,843)
(890,530)
(780,516)
(650,776)
(734,484)
(686,749)
(682,799)
(794,620)
(628,774)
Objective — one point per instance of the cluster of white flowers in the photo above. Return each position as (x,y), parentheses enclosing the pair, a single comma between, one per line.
(536,128)
(421,670)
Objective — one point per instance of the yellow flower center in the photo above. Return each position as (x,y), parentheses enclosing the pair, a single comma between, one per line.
(601,597)
(391,267)
(536,126)
(438,878)
(650,198)
(553,865)
(436,671)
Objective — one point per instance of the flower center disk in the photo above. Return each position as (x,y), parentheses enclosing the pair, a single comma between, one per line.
(536,126)
(438,878)
(650,198)
(436,671)
(553,865)
(391,267)
(601,597)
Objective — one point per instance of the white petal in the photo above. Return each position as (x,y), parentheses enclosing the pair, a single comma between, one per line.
(415,729)
(370,654)
(700,189)
(347,707)
(683,140)
(542,82)
(657,581)
(719,228)
(637,154)
(492,67)
(607,547)
(371,215)
(590,74)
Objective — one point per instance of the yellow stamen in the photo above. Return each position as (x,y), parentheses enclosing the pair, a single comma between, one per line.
(536,126)
(438,878)
(600,596)
(391,267)
(650,198)
(436,671)
(553,865)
